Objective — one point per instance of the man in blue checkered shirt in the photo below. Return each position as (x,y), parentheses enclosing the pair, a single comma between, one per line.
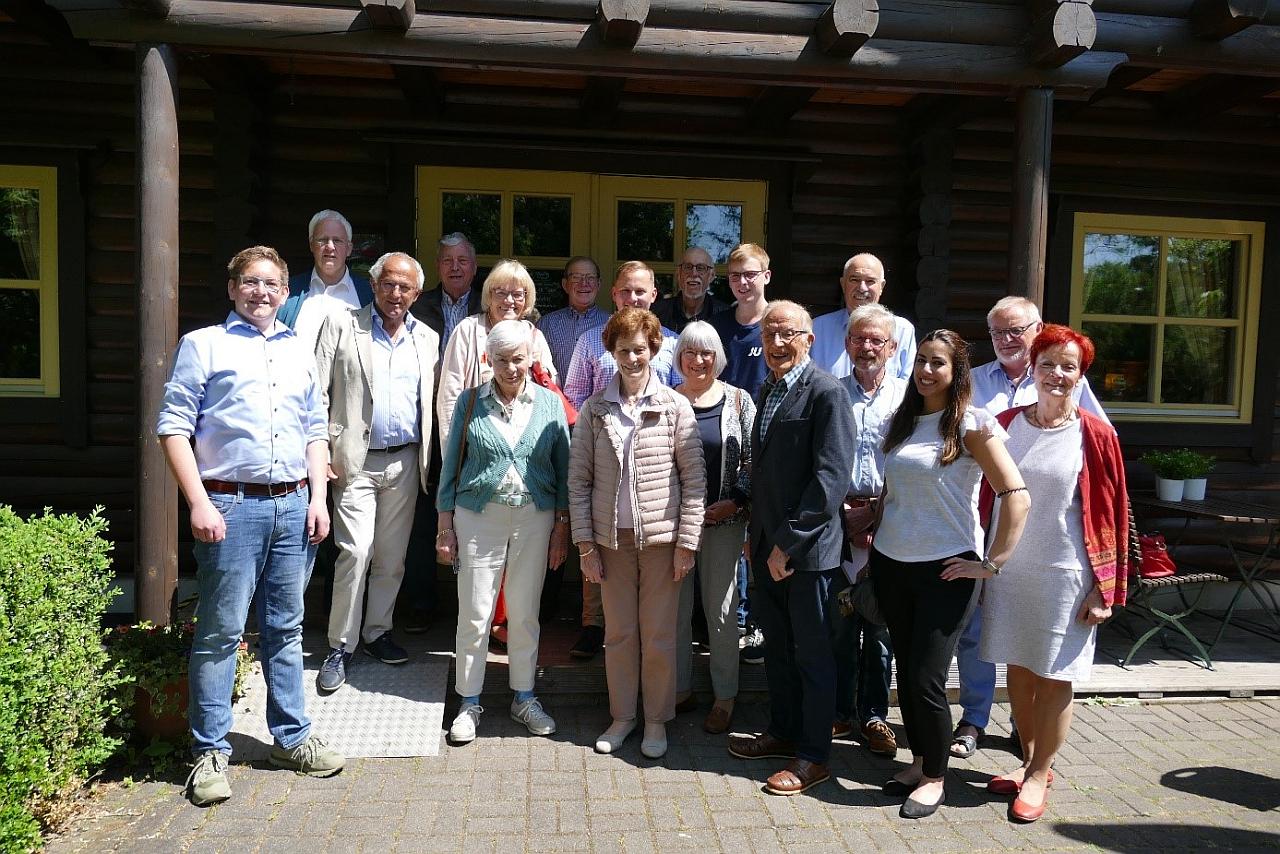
(563,327)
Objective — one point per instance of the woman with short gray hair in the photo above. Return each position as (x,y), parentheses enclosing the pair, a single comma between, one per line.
(724,416)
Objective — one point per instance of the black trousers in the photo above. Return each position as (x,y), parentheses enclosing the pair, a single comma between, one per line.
(925,616)
(799,661)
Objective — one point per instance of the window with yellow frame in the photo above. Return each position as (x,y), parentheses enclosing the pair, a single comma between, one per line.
(1172,306)
(29,281)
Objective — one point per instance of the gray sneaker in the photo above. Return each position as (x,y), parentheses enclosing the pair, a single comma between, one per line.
(313,757)
(207,782)
(463,729)
(532,715)
(333,673)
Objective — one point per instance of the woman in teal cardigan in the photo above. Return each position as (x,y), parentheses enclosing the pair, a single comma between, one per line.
(504,504)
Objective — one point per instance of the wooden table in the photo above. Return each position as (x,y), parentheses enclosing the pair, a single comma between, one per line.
(1234,519)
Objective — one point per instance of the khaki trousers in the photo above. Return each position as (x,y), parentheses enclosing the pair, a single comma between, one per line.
(640,598)
(380,499)
(717,571)
(517,538)
(592,606)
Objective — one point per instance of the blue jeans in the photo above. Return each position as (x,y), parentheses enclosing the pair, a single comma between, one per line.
(864,658)
(266,549)
(977,677)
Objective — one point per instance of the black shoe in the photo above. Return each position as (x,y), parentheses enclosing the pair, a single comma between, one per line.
(386,650)
(333,673)
(915,809)
(417,623)
(589,643)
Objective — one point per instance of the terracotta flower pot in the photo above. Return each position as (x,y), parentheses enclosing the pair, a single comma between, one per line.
(163,715)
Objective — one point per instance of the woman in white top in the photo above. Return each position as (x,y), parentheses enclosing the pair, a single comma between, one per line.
(924,558)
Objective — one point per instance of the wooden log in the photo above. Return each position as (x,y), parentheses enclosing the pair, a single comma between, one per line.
(423,90)
(661,53)
(621,21)
(394,15)
(1215,94)
(846,25)
(1029,229)
(157,254)
(151,8)
(775,105)
(600,98)
(1214,20)
(1169,43)
(1062,30)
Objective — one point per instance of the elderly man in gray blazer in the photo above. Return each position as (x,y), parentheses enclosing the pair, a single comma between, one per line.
(376,369)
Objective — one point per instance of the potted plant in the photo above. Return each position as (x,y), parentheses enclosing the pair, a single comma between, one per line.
(1195,473)
(153,662)
(1168,467)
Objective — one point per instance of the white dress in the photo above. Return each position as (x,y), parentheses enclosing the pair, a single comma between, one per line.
(1030,609)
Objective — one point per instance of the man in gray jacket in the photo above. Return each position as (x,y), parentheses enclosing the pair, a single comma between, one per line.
(376,370)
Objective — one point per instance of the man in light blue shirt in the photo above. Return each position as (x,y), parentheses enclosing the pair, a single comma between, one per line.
(591,366)
(563,327)
(862,283)
(864,655)
(1013,324)
(243,431)
(379,354)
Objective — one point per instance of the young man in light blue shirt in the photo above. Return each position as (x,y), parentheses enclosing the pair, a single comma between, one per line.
(244,433)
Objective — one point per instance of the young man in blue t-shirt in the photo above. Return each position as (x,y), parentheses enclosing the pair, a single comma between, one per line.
(739,326)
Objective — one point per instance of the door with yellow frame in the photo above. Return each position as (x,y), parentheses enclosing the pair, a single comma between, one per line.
(544,218)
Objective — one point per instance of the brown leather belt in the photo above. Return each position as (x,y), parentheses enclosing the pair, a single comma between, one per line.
(269,490)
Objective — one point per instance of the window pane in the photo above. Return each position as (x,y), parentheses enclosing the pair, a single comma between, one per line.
(1202,277)
(646,231)
(20,346)
(542,225)
(715,228)
(1121,371)
(1197,365)
(666,283)
(1120,273)
(19,233)
(550,295)
(478,216)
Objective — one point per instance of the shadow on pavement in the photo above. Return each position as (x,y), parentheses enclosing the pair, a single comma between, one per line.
(1243,788)
(1130,837)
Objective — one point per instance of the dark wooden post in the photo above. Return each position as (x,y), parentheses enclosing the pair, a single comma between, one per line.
(1029,223)
(156,167)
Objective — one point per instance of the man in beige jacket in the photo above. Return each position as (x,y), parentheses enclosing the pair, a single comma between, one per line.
(376,369)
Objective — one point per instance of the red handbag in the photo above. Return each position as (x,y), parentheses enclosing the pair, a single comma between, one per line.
(1156,562)
(542,378)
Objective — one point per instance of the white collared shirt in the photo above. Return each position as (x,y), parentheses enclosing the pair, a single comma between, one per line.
(321,301)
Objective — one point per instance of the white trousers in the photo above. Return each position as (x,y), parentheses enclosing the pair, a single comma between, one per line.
(372,519)
(517,538)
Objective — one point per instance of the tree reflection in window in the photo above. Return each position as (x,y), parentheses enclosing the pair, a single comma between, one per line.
(19,233)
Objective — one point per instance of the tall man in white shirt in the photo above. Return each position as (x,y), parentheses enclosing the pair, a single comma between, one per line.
(862,283)
(376,372)
(330,288)
(1013,324)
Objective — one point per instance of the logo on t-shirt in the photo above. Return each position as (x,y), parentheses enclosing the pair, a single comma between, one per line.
(755,351)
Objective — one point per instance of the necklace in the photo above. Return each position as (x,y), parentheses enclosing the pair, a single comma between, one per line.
(1034,415)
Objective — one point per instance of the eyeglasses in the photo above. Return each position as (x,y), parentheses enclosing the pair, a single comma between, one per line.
(876,343)
(747,276)
(396,287)
(1011,332)
(786,335)
(709,355)
(337,242)
(696,268)
(582,279)
(503,296)
(250,283)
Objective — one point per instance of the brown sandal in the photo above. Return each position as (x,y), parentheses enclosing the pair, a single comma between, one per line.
(797,777)
(717,721)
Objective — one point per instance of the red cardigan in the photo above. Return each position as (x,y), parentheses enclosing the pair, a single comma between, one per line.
(1104,502)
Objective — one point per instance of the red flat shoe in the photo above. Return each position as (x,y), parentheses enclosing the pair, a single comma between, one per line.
(1005,786)
(1022,811)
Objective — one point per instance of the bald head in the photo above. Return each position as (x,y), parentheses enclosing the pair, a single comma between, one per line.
(862,280)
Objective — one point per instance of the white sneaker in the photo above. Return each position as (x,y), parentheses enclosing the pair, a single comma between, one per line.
(463,729)
(532,715)
(654,743)
(610,741)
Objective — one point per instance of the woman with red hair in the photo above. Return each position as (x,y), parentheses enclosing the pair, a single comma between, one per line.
(1041,613)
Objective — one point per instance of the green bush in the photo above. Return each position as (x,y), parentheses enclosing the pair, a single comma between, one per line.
(56,685)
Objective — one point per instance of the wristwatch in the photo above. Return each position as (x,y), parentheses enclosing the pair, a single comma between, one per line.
(990,566)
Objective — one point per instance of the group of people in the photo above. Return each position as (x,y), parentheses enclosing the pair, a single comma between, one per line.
(979,509)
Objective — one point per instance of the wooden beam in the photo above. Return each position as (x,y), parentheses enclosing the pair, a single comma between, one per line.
(36,18)
(1214,94)
(621,21)
(1119,82)
(1029,217)
(396,15)
(1169,43)
(846,25)
(600,99)
(1214,20)
(1061,30)
(422,89)
(464,41)
(774,106)
(150,8)
(156,575)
